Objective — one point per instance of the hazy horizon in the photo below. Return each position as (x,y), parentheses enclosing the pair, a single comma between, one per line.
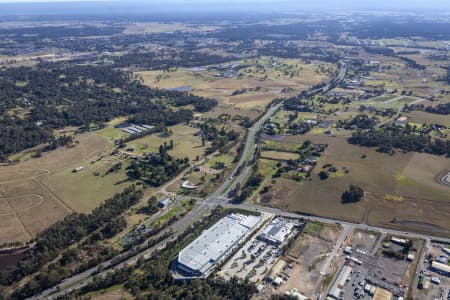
(17,7)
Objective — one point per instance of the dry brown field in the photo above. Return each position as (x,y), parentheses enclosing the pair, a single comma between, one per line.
(402,188)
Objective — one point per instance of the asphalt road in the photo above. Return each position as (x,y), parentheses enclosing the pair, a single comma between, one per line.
(279,212)
(219,197)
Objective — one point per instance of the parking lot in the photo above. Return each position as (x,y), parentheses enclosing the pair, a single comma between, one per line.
(434,285)
(372,270)
(253,262)
(375,271)
(255,259)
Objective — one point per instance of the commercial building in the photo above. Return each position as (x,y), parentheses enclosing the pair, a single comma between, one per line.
(276,232)
(214,244)
(399,241)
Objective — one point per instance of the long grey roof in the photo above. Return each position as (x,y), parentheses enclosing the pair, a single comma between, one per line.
(212,244)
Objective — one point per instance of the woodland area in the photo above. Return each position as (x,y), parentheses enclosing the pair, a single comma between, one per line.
(51,97)
(396,138)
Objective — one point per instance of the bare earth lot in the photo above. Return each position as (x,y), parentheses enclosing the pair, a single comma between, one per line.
(307,253)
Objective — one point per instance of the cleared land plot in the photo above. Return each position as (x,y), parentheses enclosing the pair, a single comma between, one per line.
(85,190)
(112,133)
(227,159)
(421,117)
(113,293)
(393,101)
(269,77)
(402,186)
(384,98)
(185,143)
(364,240)
(276,143)
(278,155)
(234,112)
(306,255)
(10,176)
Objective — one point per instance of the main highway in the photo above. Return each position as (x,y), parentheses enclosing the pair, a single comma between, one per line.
(220,197)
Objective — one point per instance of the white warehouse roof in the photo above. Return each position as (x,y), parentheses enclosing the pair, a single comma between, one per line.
(277,231)
(209,248)
(440,267)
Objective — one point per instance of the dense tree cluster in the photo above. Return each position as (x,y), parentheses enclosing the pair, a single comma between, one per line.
(25,34)
(200,104)
(17,134)
(217,136)
(411,63)
(155,169)
(81,95)
(74,260)
(250,186)
(441,109)
(390,28)
(294,104)
(353,194)
(380,50)
(168,59)
(399,138)
(360,122)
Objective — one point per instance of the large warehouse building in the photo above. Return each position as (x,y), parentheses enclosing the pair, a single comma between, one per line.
(200,256)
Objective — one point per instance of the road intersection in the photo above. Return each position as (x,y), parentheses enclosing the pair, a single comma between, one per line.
(220,198)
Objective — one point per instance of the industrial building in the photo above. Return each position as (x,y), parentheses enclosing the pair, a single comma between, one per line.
(337,291)
(210,248)
(440,268)
(276,232)
(134,129)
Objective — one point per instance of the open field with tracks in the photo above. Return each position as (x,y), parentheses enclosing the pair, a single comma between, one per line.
(37,192)
(29,200)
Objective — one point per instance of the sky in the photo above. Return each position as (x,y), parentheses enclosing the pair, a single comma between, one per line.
(442,6)
(342,3)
